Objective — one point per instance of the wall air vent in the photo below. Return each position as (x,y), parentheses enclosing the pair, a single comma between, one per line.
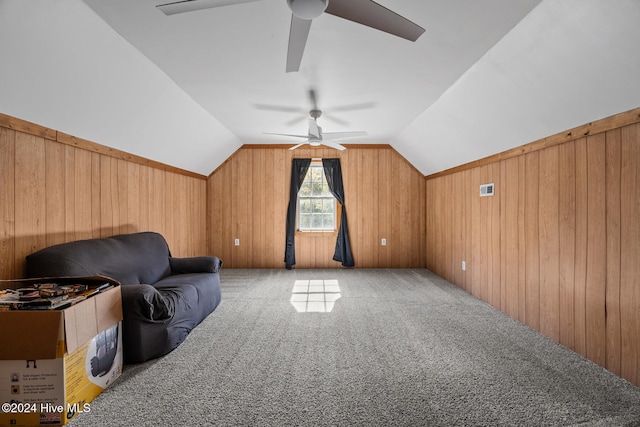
(487,190)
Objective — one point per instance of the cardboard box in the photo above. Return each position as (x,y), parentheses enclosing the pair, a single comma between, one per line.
(53,363)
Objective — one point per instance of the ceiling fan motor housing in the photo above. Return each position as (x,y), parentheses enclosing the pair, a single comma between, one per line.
(308,9)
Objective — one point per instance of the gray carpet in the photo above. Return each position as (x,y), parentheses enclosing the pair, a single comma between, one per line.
(399,348)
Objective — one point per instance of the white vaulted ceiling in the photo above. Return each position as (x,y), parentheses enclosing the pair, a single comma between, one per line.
(189,89)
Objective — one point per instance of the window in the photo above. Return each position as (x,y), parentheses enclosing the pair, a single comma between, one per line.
(316,204)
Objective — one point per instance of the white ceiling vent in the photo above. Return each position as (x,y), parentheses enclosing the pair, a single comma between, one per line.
(486,190)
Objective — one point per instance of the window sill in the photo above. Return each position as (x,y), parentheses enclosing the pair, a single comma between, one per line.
(316,233)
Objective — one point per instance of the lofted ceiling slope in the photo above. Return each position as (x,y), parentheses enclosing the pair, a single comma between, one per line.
(189,89)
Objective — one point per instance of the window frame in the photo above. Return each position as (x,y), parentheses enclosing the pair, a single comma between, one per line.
(337,207)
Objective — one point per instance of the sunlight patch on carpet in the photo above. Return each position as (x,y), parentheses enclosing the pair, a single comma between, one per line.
(317,296)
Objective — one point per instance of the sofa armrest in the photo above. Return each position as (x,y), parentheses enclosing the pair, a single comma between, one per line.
(144,303)
(201,264)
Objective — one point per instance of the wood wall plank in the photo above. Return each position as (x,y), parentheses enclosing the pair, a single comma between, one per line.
(455,227)
(476,221)
(612,209)
(630,253)
(133,196)
(447,234)
(144,204)
(511,246)
(55,200)
(580,272)
(385,211)
(470,195)
(96,222)
(120,179)
(494,235)
(106,198)
(371,245)
(567,241)
(532,241)
(549,244)
(82,195)
(7,203)
(483,230)
(280,200)
(69,193)
(30,184)
(596,250)
(429,219)
(522,242)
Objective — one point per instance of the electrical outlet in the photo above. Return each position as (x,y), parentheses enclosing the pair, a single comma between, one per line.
(464,266)
(383,242)
(237,242)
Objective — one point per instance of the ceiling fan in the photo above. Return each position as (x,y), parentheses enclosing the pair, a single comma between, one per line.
(365,12)
(314,110)
(316,137)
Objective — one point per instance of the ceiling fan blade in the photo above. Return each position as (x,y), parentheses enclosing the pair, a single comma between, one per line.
(353,107)
(297,41)
(296,146)
(287,134)
(314,99)
(340,135)
(314,129)
(371,14)
(302,113)
(191,5)
(335,119)
(296,120)
(333,144)
(280,108)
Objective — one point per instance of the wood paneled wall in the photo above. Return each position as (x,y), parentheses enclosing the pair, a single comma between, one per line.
(558,246)
(55,188)
(385,198)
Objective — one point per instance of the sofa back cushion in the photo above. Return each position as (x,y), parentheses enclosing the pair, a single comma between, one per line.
(128,258)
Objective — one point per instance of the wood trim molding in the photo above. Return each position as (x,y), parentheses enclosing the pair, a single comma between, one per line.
(287,146)
(63,138)
(27,127)
(227,160)
(592,128)
(66,139)
(405,160)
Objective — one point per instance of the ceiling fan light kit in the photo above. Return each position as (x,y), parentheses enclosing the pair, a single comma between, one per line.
(315,136)
(307,9)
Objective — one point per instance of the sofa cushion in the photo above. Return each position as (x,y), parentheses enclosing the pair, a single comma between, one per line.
(128,258)
(145,303)
(201,264)
(206,287)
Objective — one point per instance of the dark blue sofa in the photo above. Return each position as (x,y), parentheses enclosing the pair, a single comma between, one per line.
(163,298)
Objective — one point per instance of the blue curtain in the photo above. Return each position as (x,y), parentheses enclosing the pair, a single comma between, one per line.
(299,168)
(333,172)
